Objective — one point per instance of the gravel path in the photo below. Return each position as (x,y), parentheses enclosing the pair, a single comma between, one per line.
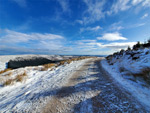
(91,89)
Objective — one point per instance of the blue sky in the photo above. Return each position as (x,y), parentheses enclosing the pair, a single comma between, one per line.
(78,27)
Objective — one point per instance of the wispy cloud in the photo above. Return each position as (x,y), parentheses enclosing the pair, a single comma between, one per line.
(95,46)
(94,11)
(47,41)
(115,27)
(96,28)
(16,37)
(64,5)
(123,5)
(112,37)
(135,25)
(21,3)
(144,16)
(146,3)
(79,21)
(135,2)
(120,5)
(117,45)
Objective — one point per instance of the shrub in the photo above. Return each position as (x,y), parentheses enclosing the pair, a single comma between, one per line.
(129,49)
(138,45)
(122,69)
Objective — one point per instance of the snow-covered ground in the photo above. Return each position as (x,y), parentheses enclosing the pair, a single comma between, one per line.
(122,67)
(31,94)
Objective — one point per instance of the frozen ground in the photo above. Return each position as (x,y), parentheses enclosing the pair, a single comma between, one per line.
(80,87)
(91,90)
(31,95)
(122,68)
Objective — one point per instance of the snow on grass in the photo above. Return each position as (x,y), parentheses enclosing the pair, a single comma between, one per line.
(30,95)
(136,87)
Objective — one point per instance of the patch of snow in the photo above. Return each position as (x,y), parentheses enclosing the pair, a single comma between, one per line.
(140,92)
(38,88)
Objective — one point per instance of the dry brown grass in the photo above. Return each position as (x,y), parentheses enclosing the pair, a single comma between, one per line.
(8,82)
(3,71)
(68,61)
(24,74)
(9,74)
(63,62)
(47,66)
(18,78)
(145,73)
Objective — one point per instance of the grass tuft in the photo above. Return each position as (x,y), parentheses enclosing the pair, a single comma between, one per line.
(3,71)
(18,78)
(47,66)
(8,82)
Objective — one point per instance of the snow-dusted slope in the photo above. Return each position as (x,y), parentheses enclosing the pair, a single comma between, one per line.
(133,61)
(37,89)
(5,59)
(123,67)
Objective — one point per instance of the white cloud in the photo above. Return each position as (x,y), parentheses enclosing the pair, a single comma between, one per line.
(144,16)
(115,26)
(34,40)
(88,40)
(93,46)
(112,37)
(135,2)
(123,5)
(96,28)
(94,11)
(64,5)
(135,25)
(79,21)
(117,45)
(120,5)
(21,3)
(146,3)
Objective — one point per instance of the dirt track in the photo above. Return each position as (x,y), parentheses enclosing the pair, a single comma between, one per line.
(91,89)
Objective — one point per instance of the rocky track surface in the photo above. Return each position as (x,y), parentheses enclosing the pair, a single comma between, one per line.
(91,89)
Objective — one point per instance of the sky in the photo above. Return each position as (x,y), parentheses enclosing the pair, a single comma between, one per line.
(72,27)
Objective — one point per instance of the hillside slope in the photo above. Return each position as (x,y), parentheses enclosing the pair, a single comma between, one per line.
(33,92)
(131,69)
